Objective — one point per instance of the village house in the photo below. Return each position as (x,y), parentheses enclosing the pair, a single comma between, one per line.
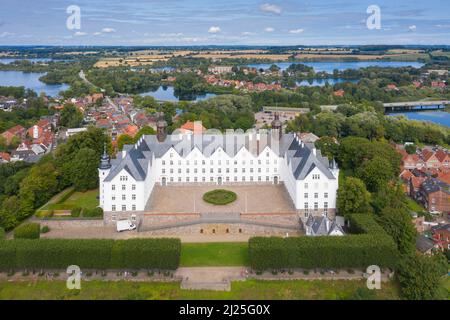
(441,235)
(322,226)
(192,128)
(16,131)
(434,195)
(5,157)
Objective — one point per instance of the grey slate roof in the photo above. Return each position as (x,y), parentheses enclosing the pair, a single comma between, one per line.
(424,244)
(318,225)
(301,158)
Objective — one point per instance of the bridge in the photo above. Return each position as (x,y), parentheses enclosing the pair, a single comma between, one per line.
(405,106)
(415,106)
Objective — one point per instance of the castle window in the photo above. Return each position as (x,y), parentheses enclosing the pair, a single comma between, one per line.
(325,207)
(163,163)
(164,171)
(316,206)
(124,208)
(306,186)
(113,198)
(124,197)
(316,195)
(325,195)
(133,187)
(133,208)
(306,196)
(113,208)
(133,197)
(187,179)
(113,187)
(124,187)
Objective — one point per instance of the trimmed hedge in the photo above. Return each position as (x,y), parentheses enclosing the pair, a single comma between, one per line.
(2,233)
(161,254)
(75,212)
(28,231)
(374,247)
(91,213)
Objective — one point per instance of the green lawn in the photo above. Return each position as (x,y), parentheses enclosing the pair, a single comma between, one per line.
(87,200)
(250,289)
(214,254)
(414,206)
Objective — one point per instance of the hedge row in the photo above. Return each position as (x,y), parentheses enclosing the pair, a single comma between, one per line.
(351,251)
(161,254)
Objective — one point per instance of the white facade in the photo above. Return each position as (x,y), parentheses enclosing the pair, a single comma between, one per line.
(309,179)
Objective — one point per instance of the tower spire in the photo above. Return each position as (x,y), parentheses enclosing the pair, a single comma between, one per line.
(105,161)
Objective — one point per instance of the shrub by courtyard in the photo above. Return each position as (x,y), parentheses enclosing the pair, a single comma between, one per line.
(219,197)
(28,231)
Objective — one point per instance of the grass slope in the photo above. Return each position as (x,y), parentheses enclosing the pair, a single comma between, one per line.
(214,254)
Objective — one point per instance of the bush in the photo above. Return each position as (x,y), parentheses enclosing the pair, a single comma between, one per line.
(2,233)
(93,213)
(351,251)
(28,231)
(220,197)
(101,254)
(45,229)
(75,212)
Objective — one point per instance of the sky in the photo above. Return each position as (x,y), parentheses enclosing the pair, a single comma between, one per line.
(231,22)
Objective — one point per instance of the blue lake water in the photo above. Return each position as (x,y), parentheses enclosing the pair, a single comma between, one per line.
(168,94)
(9,60)
(330,66)
(30,81)
(437,117)
(323,82)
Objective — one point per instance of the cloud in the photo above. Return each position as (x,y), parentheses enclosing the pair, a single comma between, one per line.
(214,30)
(296,31)
(6,34)
(171,35)
(271,8)
(247,33)
(79,34)
(108,30)
(269,29)
(97,33)
(412,28)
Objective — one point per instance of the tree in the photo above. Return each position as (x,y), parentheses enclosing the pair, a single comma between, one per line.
(420,276)
(123,140)
(411,148)
(144,131)
(376,173)
(397,223)
(84,170)
(8,213)
(353,197)
(71,117)
(328,147)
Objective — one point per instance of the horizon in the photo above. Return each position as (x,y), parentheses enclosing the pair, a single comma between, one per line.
(157,23)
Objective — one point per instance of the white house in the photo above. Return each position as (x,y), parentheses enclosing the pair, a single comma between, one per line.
(127,182)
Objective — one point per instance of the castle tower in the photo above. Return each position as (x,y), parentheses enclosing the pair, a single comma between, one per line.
(277,125)
(103,172)
(161,129)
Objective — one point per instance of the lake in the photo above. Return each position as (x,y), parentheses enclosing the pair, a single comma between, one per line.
(10,60)
(330,66)
(323,82)
(437,117)
(168,94)
(30,81)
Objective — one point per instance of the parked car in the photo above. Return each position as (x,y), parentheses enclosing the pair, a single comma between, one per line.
(125,225)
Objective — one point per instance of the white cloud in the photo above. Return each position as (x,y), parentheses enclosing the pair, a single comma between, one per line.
(269,29)
(108,30)
(6,34)
(214,30)
(246,33)
(296,31)
(97,33)
(171,35)
(271,8)
(412,28)
(79,34)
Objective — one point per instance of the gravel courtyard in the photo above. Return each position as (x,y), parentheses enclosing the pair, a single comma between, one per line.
(250,199)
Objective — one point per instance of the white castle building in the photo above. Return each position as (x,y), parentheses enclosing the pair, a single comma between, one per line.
(127,182)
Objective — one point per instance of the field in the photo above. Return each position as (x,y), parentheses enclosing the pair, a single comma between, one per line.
(68,199)
(248,290)
(214,254)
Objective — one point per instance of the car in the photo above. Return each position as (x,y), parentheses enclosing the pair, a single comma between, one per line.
(125,225)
